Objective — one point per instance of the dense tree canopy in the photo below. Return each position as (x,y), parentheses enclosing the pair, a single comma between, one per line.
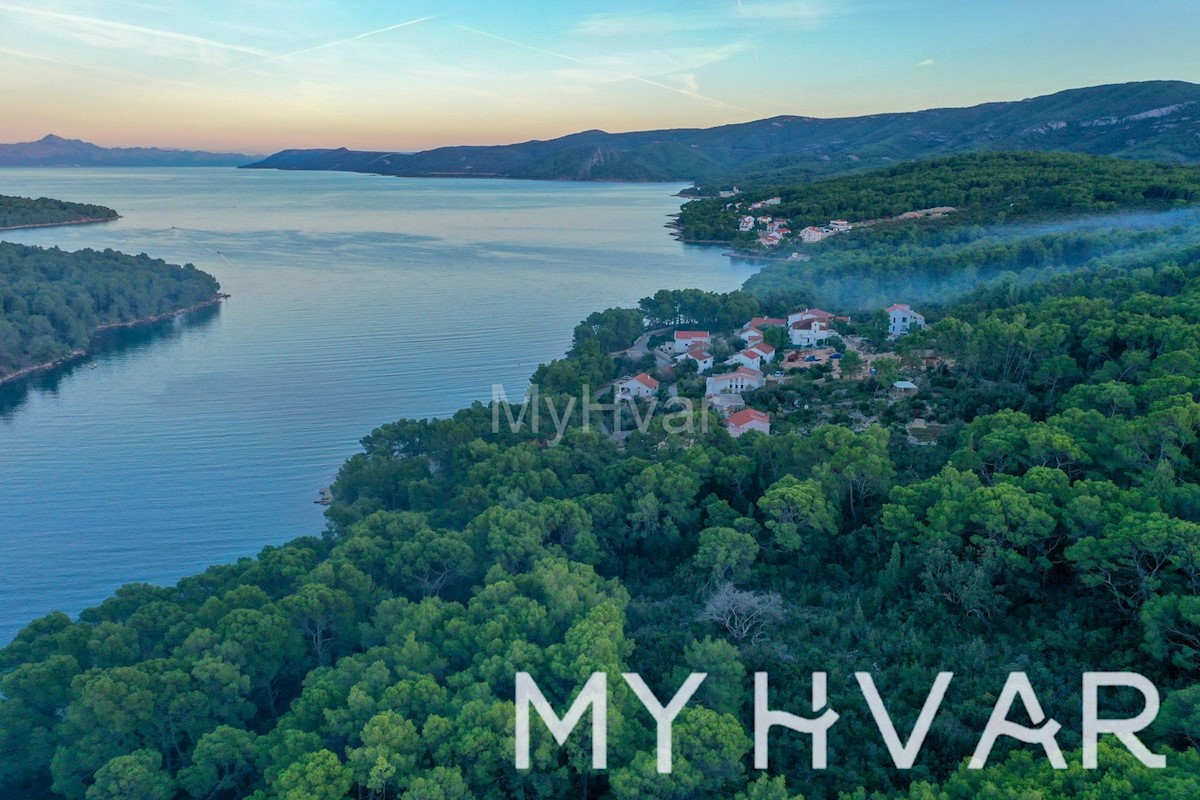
(17,212)
(983,187)
(1051,526)
(53,301)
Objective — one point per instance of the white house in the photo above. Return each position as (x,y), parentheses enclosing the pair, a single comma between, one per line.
(742,379)
(750,419)
(809,327)
(746,224)
(765,350)
(686,340)
(839,225)
(639,386)
(751,336)
(811,235)
(704,359)
(902,319)
(749,357)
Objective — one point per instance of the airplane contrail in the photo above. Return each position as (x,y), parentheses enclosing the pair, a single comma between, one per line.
(572,59)
(102,25)
(282,56)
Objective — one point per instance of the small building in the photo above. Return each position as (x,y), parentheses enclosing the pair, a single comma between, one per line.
(727,403)
(745,224)
(686,340)
(638,387)
(765,322)
(750,419)
(765,350)
(812,235)
(751,336)
(704,359)
(810,327)
(742,379)
(902,319)
(747,358)
(904,388)
(839,225)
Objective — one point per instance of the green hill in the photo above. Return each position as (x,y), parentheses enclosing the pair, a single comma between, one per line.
(983,187)
(1158,120)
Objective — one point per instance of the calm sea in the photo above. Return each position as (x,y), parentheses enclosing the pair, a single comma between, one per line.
(356,300)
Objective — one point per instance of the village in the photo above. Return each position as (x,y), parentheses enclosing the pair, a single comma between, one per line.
(726,369)
(774,231)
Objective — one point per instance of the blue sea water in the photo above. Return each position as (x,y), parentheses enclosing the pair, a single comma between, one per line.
(356,300)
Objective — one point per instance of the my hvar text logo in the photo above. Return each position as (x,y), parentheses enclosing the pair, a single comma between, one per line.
(594,697)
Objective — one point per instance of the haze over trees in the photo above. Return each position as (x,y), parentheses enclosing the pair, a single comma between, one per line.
(1051,527)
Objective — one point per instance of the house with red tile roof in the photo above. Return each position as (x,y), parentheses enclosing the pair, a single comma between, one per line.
(902,319)
(750,419)
(639,386)
(686,340)
(742,379)
(704,359)
(765,350)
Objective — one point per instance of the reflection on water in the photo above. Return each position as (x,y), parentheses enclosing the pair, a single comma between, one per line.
(105,343)
(356,300)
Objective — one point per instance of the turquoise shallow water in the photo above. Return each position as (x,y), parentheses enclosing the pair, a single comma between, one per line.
(356,300)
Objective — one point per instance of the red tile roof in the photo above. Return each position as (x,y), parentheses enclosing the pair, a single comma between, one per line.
(897,307)
(645,380)
(759,322)
(746,416)
(682,335)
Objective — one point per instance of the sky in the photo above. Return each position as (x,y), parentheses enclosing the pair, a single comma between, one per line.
(257,76)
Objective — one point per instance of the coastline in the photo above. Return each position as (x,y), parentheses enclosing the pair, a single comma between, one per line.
(80,353)
(84,221)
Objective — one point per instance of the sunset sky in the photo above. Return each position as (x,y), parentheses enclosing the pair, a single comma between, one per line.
(261,75)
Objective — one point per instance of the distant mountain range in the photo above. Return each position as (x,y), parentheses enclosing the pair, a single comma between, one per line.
(55,151)
(1157,120)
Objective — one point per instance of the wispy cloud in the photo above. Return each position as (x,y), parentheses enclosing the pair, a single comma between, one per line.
(602,69)
(76,67)
(125,36)
(326,45)
(798,13)
(929,62)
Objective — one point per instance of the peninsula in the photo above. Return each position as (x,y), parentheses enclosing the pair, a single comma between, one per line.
(44,212)
(56,301)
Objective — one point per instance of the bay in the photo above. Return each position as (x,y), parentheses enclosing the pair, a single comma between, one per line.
(356,300)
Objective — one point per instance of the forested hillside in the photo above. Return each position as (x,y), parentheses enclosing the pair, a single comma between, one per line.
(53,301)
(1156,120)
(1051,526)
(17,212)
(983,188)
